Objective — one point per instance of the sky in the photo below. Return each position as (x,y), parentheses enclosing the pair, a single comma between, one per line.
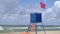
(17,12)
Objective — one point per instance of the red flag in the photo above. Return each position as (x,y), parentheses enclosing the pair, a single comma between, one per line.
(42,5)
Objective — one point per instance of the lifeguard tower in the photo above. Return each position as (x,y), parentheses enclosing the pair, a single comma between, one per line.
(34,19)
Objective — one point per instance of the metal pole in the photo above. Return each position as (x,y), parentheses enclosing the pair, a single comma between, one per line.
(43,28)
(28,28)
(36,28)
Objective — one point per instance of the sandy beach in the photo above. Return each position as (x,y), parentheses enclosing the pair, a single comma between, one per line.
(39,32)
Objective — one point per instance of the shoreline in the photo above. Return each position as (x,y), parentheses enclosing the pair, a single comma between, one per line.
(39,32)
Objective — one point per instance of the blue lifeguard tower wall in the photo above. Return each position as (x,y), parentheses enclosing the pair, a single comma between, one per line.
(35,18)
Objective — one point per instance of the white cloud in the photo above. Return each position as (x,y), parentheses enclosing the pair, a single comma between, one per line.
(52,15)
(8,11)
(8,7)
(57,4)
(13,14)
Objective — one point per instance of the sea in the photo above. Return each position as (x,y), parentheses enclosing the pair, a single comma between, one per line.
(20,28)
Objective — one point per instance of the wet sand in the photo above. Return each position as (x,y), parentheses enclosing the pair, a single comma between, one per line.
(39,32)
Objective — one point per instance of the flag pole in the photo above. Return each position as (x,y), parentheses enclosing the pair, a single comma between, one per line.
(42,5)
